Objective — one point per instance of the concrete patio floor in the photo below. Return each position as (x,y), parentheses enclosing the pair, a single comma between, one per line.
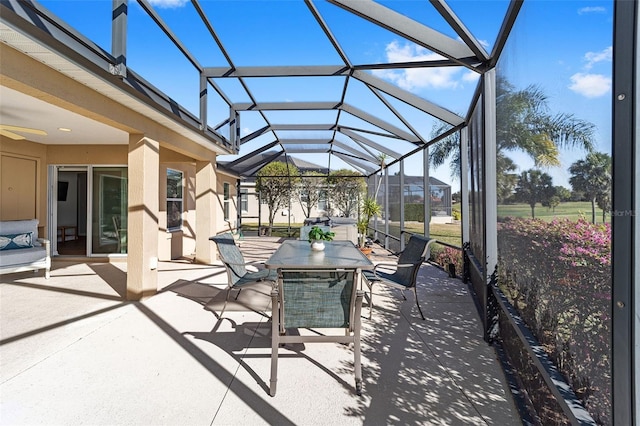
(72,351)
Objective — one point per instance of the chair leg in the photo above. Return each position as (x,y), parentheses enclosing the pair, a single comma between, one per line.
(275,335)
(357,364)
(415,294)
(226,300)
(370,298)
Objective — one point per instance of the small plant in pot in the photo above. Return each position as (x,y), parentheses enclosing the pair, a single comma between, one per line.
(369,208)
(317,237)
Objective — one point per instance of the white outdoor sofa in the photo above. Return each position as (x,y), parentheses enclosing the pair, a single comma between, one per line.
(21,249)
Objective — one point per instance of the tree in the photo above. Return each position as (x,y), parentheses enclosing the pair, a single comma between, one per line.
(592,176)
(534,187)
(552,203)
(275,183)
(310,190)
(563,193)
(604,202)
(345,190)
(523,123)
(505,180)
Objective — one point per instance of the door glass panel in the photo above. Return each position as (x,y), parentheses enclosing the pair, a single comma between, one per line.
(109,216)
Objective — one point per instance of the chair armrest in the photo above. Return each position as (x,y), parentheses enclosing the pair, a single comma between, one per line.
(250,264)
(244,263)
(392,265)
(47,245)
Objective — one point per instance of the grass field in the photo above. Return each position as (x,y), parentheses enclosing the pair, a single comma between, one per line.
(570,210)
(448,233)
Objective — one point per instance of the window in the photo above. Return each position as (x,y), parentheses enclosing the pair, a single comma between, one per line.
(227,197)
(322,201)
(174,199)
(244,200)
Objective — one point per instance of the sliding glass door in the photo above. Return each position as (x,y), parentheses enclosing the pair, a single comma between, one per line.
(109,210)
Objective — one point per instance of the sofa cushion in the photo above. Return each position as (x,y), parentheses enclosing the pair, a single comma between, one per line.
(24,256)
(16,241)
(8,227)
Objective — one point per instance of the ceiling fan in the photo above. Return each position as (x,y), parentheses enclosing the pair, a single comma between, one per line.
(10,131)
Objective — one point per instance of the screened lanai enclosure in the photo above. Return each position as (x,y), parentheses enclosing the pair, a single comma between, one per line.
(505,102)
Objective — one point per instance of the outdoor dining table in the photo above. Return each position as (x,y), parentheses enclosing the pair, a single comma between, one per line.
(337,255)
(315,283)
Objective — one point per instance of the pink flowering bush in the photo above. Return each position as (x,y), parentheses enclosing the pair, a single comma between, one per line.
(448,256)
(558,276)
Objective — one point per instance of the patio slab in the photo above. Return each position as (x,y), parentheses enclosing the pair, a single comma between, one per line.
(73,352)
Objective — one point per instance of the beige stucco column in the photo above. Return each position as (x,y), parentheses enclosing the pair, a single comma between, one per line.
(205,211)
(142,227)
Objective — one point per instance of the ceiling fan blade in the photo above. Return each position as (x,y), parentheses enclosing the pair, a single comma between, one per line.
(11,135)
(22,129)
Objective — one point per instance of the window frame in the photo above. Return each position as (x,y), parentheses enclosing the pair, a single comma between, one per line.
(179,200)
(226,198)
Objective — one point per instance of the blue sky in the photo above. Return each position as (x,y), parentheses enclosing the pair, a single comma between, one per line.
(562,46)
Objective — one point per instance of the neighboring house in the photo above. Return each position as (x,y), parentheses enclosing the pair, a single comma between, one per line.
(253,210)
(132,175)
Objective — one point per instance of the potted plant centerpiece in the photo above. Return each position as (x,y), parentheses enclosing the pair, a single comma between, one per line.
(317,237)
(369,208)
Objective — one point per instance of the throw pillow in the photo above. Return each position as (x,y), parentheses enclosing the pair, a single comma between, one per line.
(16,241)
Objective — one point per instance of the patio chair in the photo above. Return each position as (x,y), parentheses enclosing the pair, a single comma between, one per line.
(405,272)
(316,299)
(238,276)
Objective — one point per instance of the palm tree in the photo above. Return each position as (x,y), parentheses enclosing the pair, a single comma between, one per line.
(592,176)
(506,180)
(523,122)
(534,187)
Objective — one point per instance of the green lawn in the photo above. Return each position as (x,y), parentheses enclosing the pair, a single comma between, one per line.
(279,229)
(571,210)
(448,233)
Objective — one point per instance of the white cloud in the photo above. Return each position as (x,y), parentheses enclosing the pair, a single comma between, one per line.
(168,4)
(246,131)
(470,76)
(590,85)
(414,78)
(592,9)
(593,58)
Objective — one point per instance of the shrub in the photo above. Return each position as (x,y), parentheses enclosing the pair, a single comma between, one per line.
(450,256)
(558,276)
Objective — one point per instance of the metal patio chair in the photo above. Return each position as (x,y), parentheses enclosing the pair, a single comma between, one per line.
(316,299)
(237,274)
(405,272)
